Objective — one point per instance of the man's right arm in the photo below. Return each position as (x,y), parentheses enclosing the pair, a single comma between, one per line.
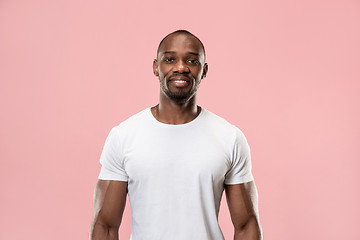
(109,204)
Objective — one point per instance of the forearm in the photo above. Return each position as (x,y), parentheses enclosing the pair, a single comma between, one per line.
(109,204)
(101,231)
(250,231)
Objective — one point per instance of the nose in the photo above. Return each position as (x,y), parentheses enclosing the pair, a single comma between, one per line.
(181,67)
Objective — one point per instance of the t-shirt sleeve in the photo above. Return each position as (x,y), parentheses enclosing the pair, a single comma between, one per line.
(240,171)
(111,159)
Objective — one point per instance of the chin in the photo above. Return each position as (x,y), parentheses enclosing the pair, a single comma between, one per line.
(181,99)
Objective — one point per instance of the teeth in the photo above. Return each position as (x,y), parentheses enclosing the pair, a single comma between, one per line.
(179,81)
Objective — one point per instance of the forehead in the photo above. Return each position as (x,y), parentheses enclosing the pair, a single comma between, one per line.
(181,43)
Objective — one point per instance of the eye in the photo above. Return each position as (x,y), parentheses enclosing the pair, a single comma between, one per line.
(169,59)
(193,61)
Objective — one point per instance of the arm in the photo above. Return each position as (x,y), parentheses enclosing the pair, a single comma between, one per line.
(109,204)
(242,201)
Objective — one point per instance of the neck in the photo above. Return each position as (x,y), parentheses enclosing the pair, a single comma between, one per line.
(170,112)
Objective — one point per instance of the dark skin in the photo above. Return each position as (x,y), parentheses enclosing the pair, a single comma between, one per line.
(180,57)
(180,66)
(109,205)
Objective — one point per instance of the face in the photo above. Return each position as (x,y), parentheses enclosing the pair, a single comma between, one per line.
(180,66)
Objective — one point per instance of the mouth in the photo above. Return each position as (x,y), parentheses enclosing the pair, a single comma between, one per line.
(179,81)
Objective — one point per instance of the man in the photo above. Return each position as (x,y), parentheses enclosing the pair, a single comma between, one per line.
(174,160)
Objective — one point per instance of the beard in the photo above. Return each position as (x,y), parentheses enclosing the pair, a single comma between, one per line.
(181,96)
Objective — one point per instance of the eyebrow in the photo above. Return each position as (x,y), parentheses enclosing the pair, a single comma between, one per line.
(172,52)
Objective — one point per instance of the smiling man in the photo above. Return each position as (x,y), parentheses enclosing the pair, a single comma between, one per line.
(174,160)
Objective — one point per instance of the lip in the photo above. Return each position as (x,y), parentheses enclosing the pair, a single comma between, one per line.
(179,83)
(179,78)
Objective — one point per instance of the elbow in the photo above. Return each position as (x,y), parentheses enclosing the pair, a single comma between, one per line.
(250,230)
(101,230)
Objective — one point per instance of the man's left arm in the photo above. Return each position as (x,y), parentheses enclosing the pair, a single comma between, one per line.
(242,201)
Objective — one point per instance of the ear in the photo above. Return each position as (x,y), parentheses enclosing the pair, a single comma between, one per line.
(155,68)
(205,69)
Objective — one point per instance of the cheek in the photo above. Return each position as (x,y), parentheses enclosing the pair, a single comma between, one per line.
(164,70)
(161,75)
(198,72)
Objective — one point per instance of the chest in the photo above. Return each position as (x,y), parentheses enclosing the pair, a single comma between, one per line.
(176,157)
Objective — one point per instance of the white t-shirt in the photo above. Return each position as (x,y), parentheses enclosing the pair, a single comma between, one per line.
(176,173)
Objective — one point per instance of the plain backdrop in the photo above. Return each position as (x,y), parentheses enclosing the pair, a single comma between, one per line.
(287,73)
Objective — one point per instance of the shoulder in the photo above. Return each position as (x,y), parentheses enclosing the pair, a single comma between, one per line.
(224,131)
(219,124)
(131,123)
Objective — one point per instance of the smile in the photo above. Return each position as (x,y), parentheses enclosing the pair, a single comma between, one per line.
(179,83)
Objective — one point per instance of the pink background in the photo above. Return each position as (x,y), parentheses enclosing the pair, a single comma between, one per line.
(285,72)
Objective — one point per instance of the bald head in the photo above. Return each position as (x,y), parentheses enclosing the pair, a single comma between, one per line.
(185,32)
